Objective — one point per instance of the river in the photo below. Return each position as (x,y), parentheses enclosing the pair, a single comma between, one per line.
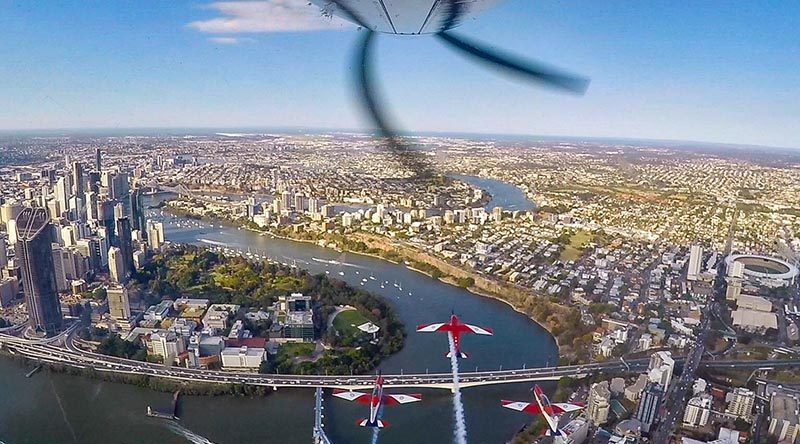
(504,195)
(51,408)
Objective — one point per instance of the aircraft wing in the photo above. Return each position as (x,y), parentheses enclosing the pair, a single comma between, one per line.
(360,397)
(427,328)
(478,330)
(565,407)
(401,399)
(527,407)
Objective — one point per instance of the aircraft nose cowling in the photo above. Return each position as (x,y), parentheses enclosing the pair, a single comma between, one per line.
(406,16)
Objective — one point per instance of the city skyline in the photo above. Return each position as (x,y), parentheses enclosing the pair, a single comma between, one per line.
(658,71)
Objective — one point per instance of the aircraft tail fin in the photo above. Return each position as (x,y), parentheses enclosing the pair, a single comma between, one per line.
(379,423)
(460,355)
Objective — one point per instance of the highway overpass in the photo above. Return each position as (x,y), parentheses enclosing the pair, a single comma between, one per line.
(70,355)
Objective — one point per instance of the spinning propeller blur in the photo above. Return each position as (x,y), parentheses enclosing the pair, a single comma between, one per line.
(436,17)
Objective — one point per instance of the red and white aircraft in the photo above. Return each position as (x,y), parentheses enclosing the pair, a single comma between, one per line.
(455,328)
(543,406)
(375,400)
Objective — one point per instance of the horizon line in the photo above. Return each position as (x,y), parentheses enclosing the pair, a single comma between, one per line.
(280,129)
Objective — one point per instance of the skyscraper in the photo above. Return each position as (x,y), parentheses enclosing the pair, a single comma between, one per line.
(3,252)
(116,266)
(125,243)
(98,166)
(35,258)
(137,214)
(695,262)
(598,405)
(119,306)
(155,235)
(77,179)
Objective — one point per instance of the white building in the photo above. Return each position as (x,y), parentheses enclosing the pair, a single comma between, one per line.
(661,368)
(165,344)
(697,411)
(695,262)
(598,406)
(116,265)
(741,403)
(243,358)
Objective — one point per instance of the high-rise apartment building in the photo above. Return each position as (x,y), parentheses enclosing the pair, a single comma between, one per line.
(695,262)
(598,403)
(647,410)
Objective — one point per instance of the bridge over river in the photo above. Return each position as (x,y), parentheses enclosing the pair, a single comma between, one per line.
(64,351)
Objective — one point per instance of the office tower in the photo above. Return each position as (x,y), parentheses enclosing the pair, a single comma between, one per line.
(313,205)
(327,210)
(697,411)
(3,251)
(11,229)
(286,199)
(9,212)
(661,368)
(77,179)
(695,262)
(742,403)
(54,209)
(91,206)
(155,234)
(119,211)
(116,266)
(69,264)
(98,166)
(647,410)
(137,213)
(94,182)
(68,237)
(119,185)
(125,243)
(299,202)
(60,275)
(105,210)
(34,255)
(9,287)
(119,306)
(90,249)
(598,405)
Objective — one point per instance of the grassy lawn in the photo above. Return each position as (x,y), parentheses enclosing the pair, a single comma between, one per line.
(347,322)
(576,245)
(294,349)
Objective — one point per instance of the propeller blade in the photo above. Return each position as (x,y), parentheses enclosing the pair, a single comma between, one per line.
(364,80)
(528,69)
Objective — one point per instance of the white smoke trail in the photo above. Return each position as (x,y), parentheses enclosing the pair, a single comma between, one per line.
(189,435)
(377,430)
(460,433)
(63,412)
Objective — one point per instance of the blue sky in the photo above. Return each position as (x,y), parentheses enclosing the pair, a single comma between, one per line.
(719,71)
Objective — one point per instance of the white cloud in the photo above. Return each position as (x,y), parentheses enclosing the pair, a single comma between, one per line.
(265,16)
(230,40)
